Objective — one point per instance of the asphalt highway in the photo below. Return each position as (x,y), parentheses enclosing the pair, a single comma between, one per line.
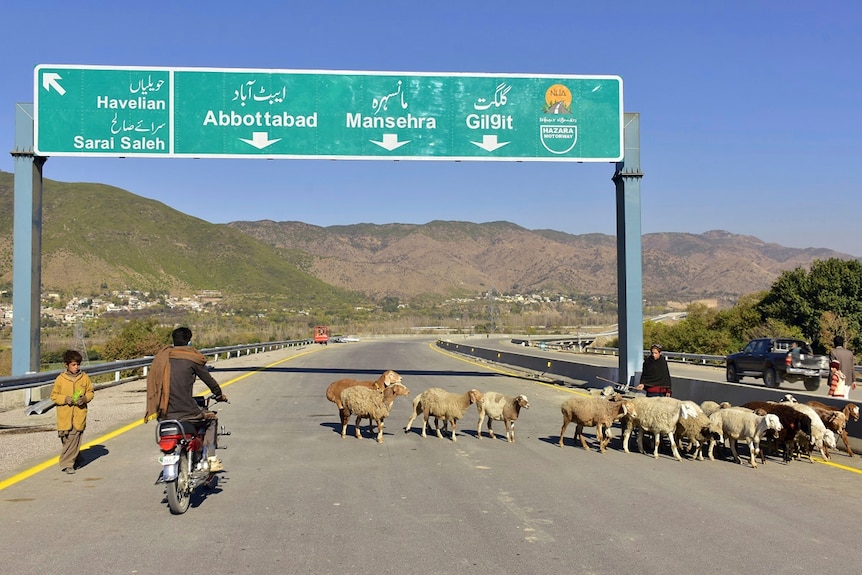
(297,498)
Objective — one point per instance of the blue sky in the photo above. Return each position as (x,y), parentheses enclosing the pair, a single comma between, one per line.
(747,108)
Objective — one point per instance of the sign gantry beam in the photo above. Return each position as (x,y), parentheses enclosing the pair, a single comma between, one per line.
(225,113)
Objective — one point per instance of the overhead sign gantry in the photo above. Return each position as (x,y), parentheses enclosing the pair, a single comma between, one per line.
(231,113)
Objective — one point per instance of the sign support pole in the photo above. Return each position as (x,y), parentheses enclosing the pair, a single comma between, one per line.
(627,179)
(27,248)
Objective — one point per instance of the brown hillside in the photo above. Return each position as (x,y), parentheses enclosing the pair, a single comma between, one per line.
(461,257)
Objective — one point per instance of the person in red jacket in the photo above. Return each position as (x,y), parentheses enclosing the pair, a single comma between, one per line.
(71,393)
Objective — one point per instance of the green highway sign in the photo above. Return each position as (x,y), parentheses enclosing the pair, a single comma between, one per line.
(241,113)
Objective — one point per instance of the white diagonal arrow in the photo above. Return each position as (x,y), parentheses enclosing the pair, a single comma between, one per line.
(260,140)
(49,80)
(489,143)
(390,142)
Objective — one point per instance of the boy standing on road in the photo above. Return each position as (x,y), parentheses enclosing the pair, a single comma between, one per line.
(71,393)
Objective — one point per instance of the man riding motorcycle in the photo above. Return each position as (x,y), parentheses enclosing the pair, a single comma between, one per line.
(170,384)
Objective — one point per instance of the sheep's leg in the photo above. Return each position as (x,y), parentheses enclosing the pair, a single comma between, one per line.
(602,437)
(734,452)
(345,418)
(410,422)
(437,427)
(479,428)
(356,427)
(566,422)
(579,434)
(641,440)
(754,445)
(752,453)
(672,445)
(627,433)
(510,430)
(490,431)
(711,446)
(424,423)
(454,424)
(846,442)
(698,449)
(379,430)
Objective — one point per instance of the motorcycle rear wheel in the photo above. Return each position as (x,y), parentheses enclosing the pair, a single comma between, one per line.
(179,494)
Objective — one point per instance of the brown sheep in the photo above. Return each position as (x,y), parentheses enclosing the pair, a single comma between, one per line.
(368,403)
(598,412)
(837,423)
(442,404)
(333,392)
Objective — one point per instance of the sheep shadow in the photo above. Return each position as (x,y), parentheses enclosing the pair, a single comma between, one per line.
(365,432)
(592,442)
(430,431)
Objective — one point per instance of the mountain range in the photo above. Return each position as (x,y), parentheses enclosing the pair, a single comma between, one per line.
(98,237)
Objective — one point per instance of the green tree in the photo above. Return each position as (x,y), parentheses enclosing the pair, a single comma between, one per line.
(137,338)
(801,299)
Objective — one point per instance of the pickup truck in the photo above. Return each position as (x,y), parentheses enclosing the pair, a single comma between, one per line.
(771,360)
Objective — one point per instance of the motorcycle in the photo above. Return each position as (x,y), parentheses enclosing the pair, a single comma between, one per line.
(184,467)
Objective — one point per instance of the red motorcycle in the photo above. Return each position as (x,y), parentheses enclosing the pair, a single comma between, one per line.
(184,467)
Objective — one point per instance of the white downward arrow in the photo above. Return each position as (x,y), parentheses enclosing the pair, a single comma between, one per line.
(489,143)
(49,80)
(260,140)
(390,142)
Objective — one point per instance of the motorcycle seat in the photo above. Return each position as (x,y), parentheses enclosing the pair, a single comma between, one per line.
(170,427)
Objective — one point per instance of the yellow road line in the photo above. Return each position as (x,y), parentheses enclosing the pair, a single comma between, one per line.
(102,439)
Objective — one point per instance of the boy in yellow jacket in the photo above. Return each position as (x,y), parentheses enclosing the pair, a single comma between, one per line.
(71,394)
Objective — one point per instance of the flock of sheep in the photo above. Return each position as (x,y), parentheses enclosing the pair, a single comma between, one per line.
(793,428)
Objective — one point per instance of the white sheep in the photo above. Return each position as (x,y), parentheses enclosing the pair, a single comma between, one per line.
(822,439)
(740,424)
(598,412)
(503,408)
(369,403)
(656,415)
(442,404)
(695,429)
(709,407)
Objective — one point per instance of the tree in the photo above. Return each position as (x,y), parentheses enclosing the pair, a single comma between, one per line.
(137,338)
(799,298)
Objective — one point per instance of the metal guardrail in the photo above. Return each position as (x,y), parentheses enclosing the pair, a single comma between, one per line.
(700,358)
(18,382)
(681,357)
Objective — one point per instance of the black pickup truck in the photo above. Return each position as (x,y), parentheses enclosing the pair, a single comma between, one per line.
(771,359)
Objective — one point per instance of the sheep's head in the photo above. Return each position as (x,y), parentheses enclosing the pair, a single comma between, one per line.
(788,398)
(854,411)
(398,389)
(475,395)
(521,401)
(390,377)
(772,422)
(627,408)
(835,420)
